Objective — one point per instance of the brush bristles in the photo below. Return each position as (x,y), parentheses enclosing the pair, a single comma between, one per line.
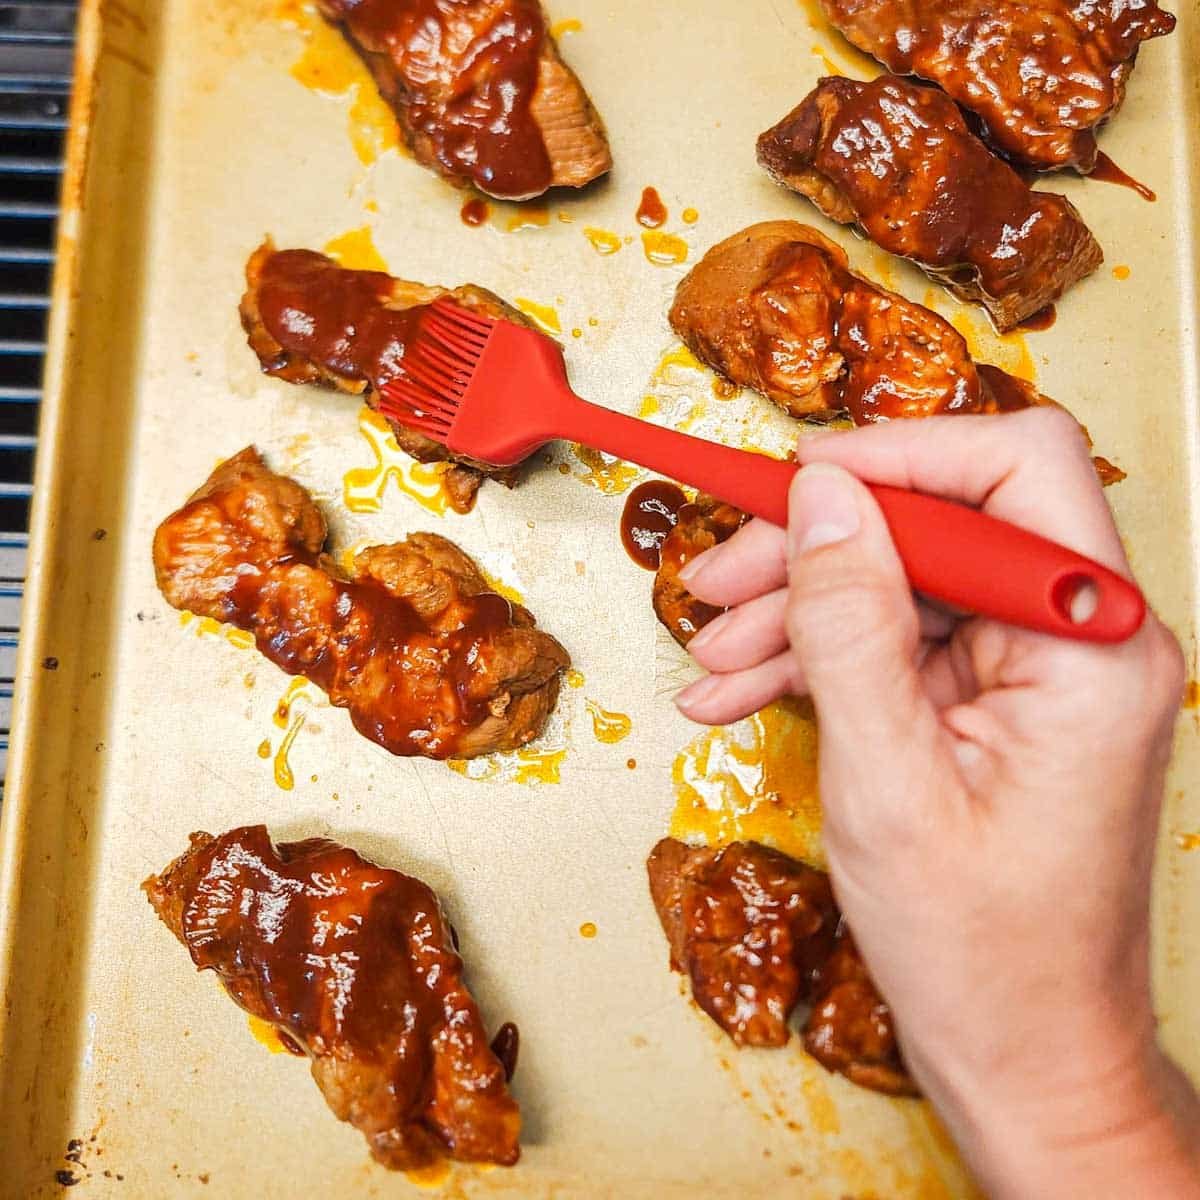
(462,318)
(436,369)
(416,407)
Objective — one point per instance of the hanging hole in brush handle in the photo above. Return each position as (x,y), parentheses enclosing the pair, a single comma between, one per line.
(983,565)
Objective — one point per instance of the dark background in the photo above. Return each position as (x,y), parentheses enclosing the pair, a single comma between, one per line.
(36,50)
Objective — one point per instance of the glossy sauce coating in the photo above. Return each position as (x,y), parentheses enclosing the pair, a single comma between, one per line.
(309,320)
(426,659)
(850,1028)
(698,527)
(366,629)
(651,212)
(650,513)
(355,965)
(1040,78)
(758,933)
(333,318)
(898,159)
(777,308)
(461,76)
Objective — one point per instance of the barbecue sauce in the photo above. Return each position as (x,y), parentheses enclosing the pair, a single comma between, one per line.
(699,527)
(336,318)
(462,77)
(650,513)
(506,1045)
(474,212)
(1039,81)
(353,963)
(758,933)
(419,678)
(652,212)
(839,342)
(1107,171)
(415,682)
(929,189)
(1044,318)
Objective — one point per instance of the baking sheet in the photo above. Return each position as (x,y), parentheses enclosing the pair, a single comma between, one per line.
(197,129)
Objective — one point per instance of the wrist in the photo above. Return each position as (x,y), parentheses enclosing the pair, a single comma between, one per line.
(1132,1129)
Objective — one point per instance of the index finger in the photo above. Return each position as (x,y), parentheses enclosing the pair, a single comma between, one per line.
(1032,468)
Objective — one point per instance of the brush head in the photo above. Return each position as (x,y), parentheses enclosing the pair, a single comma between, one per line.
(485,388)
(436,370)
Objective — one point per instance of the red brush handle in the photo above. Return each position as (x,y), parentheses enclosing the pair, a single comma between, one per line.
(951,553)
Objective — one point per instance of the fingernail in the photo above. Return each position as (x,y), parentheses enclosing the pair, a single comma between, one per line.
(709,633)
(696,693)
(822,508)
(694,567)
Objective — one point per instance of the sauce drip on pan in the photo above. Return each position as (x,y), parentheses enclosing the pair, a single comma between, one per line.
(652,212)
(474,212)
(650,514)
(464,77)
(1107,171)
(505,1046)
(1044,318)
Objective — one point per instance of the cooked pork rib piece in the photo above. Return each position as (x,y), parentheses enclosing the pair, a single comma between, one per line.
(425,657)
(850,1029)
(749,926)
(898,160)
(777,308)
(312,321)
(758,933)
(698,527)
(1041,77)
(480,90)
(355,966)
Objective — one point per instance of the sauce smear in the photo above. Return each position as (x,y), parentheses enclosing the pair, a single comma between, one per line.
(1107,171)
(652,212)
(650,514)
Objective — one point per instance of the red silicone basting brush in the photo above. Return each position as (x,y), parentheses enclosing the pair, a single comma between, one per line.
(495,391)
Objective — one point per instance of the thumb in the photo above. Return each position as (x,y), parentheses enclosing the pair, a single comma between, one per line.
(852,623)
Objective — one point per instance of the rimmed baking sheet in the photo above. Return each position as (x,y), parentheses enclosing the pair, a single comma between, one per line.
(192,138)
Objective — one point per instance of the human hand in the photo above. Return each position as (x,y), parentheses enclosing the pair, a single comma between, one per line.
(991,798)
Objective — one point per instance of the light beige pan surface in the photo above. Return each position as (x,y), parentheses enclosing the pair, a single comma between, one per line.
(194,137)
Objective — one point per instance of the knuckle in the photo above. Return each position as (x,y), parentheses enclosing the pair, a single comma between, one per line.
(1055,428)
(1167,665)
